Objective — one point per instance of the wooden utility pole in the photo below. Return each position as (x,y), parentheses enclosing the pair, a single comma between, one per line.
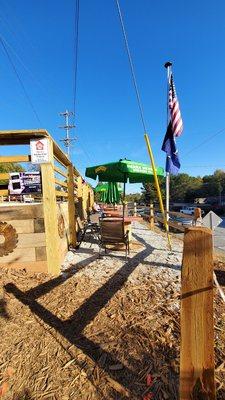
(197,323)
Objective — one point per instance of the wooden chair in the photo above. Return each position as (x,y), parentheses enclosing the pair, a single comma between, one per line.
(112,232)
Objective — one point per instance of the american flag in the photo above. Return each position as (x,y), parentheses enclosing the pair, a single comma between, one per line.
(175,115)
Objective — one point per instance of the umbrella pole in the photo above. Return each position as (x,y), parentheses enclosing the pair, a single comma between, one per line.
(124,193)
(158,188)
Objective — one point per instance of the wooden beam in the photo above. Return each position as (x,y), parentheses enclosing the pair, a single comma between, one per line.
(179,214)
(50,215)
(76,172)
(172,224)
(4,192)
(61,183)
(60,156)
(9,159)
(60,171)
(71,208)
(61,193)
(79,186)
(4,176)
(197,324)
(21,212)
(23,137)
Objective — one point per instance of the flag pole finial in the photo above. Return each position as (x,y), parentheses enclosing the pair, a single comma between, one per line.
(167,64)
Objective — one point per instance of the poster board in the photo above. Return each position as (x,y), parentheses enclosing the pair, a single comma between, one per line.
(24,182)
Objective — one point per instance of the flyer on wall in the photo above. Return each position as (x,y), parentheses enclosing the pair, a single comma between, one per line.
(24,182)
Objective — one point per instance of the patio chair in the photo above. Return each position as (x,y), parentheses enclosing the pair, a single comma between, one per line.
(84,227)
(112,232)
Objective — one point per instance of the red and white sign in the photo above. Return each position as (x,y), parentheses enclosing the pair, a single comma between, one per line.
(39,149)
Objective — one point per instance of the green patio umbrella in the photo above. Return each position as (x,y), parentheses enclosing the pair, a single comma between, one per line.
(110,192)
(103,196)
(113,193)
(101,187)
(124,171)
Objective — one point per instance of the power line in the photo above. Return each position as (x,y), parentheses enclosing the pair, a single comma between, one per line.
(76,40)
(85,152)
(204,142)
(22,63)
(20,81)
(76,48)
(140,106)
(204,166)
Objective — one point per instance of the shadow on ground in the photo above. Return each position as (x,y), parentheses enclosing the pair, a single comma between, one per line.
(72,329)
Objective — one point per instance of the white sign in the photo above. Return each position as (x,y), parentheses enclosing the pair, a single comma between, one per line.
(211,220)
(39,149)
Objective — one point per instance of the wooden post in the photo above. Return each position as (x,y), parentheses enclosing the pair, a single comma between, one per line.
(151,217)
(197,324)
(135,209)
(85,200)
(71,207)
(79,196)
(50,214)
(91,197)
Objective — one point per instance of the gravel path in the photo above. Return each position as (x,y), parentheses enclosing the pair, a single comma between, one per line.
(148,256)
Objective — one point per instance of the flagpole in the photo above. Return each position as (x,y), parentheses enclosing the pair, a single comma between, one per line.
(167,65)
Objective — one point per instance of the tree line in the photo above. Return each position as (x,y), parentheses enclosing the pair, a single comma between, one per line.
(186,188)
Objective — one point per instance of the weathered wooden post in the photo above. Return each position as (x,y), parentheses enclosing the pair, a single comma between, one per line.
(151,217)
(135,209)
(71,207)
(50,214)
(197,323)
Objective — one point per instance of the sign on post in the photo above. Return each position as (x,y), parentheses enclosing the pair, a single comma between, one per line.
(211,220)
(39,149)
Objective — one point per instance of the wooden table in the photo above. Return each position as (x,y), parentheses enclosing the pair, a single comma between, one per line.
(112,213)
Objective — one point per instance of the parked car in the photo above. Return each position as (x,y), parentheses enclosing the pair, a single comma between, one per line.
(190,210)
(187,210)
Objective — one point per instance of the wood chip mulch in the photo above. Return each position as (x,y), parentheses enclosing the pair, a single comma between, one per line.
(68,338)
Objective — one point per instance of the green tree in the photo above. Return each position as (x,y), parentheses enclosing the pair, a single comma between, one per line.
(10,167)
(149,193)
(133,197)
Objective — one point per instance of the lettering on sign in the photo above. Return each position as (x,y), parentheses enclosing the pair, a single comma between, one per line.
(39,149)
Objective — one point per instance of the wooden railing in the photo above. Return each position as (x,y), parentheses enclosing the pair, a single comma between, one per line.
(155,215)
(60,181)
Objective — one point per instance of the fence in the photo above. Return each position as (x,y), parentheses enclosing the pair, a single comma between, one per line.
(42,232)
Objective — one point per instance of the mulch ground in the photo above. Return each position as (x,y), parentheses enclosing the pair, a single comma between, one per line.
(72,338)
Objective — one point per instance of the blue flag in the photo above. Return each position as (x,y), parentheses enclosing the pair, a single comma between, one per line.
(169,146)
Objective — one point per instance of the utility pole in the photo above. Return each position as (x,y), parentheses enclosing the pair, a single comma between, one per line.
(67,141)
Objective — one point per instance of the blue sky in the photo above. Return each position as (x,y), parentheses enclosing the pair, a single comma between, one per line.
(190,34)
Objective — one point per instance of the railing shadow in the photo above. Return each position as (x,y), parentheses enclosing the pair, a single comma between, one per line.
(72,328)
